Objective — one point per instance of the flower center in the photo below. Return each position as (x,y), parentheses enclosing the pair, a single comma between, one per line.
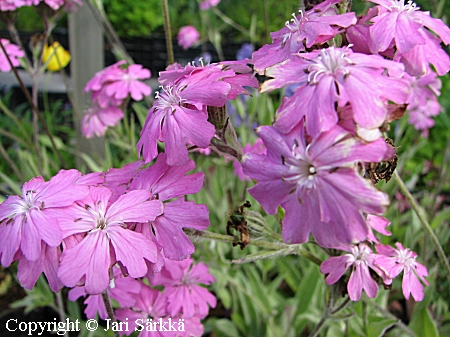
(301,169)
(406,257)
(295,23)
(330,62)
(399,6)
(169,97)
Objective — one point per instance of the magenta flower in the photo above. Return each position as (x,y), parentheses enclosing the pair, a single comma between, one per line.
(394,261)
(179,112)
(96,120)
(206,4)
(336,75)
(315,26)
(14,53)
(403,23)
(360,259)
(187,36)
(170,184)
(122,290)
(184,295)
(317,183)
(107,241)
(27,221)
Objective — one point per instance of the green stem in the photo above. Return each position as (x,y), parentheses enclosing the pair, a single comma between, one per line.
(34,107)
(13,117)
(11,162)
(425,224)
(167,30)
(110,310)
(193,233)
(326,314)
(227,20)
(388,315)
(442,175)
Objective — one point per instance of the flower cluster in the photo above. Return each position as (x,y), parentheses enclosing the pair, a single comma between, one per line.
(183,299)
(111,88)
(11,5)
(14,53)
(330,126)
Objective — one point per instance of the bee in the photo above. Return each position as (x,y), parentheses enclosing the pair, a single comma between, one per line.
(382,170)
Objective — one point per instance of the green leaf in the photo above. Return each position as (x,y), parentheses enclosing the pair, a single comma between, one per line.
(226,327)
(422,324)
(378,326)
(225,297)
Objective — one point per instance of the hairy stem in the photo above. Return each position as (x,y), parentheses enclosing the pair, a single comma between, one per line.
(110,310)
(423,220)
(193,233)
(167,30)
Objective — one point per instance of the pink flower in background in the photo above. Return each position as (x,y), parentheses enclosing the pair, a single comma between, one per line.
(394,261)
(360,259)
(317,25)
(122,290)
(185,296)
(403,23)
(257,148)
(422,101)
(317,183)
(336,75)
(107,241)
(206,4)
(112,85)
(148,303)
(26,221)
(96,120)
(14,53)
(11,5)
(187,36)
(121,84)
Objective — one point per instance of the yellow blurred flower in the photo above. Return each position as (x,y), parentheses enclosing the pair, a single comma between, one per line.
(55,57)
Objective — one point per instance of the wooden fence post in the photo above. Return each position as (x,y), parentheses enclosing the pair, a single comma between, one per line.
(87,50)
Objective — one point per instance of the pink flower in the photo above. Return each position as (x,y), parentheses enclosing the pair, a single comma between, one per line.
(10,5)
(96,120)
(14,53)
(179,112)
(403,24)
(148,303)
(188,36)
(107,240)
(361,258)
(315,26)
(379,224)
(336,75)
(113,84)
(206,4)
(257,148)
(184,295)
(422,101)
(121,290)
(27,221)
(121,84)
(317,183)
(394,261)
